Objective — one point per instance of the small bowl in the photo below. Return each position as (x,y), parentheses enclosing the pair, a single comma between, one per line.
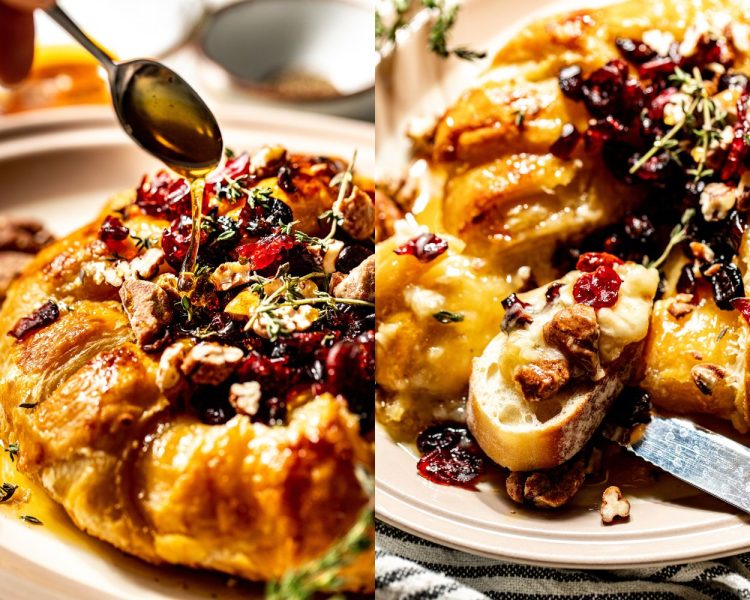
(294,50)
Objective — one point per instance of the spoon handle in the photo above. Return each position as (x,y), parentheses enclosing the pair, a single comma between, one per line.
(64,21)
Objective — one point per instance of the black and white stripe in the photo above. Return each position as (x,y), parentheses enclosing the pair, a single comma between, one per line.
(410,568)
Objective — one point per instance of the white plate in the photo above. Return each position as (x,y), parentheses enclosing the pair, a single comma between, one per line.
(669,523)
(60,166)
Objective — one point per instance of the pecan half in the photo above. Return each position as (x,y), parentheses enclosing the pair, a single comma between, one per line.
(614,505)
(547,489)
(575,332)
(542,380)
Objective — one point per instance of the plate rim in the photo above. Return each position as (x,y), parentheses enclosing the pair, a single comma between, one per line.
(511,545)
(39,580)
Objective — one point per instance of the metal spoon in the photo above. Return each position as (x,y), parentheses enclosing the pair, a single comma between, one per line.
(157,108)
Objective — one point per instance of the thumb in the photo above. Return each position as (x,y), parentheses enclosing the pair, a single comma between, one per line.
(17,49)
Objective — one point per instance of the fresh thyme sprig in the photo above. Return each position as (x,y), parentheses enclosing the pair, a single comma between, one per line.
(446,13)
(678,234)
(289,294)
(701,118)
(323,574)
(343,181)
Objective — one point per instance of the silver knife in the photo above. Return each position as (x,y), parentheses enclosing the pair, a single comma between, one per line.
(702,458)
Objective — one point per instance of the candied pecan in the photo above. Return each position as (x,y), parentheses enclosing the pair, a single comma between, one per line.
(11,264)
(169,378)
(547,489)
(211,363)
(360,283)
(24,235)
(230,274)
(147,264)
(707,376)
(147,307)
(542,380)
(245,397)
(387,212)
(681,305)
(46,314)
(716,200)
(575,332)
(357,213)
(614,505)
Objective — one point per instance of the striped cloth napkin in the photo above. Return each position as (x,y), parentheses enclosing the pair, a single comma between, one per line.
(410,568)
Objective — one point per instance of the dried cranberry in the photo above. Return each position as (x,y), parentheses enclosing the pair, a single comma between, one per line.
(46,314)
(451,456)
(552,293)
(591,261)
(285,178)
(599,289)
(234,168)
(268,251)
(452,467)
(638,228)
(635,51)
(563,146)
(271,373)
(424,247)
(742,305)
(212,404)
(659,66)
(632,407)
(516,314)
(443,435)
(262,216)
(350,371)
(351,321)
(272,411)
(686,283)
(616,155)
(657,168)
(176,239)
(603,130)
(733,80)
(603,90)
(351,257)
(112,232)
(738,149)
(655,108)
(727,285)
(163,195)
(570,80)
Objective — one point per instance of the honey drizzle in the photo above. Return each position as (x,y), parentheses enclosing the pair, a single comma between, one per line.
(197,185)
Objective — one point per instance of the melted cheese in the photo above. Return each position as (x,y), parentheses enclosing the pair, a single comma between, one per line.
(623,324)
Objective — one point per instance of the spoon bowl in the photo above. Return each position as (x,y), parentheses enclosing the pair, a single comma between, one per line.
(166,117)
(157,108)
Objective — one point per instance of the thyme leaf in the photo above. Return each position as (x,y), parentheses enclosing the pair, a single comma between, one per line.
(13,451)
(446,316)
(446,13)
(6,491)
(679,234)
(31,519)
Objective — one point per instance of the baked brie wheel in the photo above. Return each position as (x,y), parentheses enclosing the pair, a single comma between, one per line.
(222,427)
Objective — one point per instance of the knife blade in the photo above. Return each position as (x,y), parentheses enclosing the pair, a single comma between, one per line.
(704,459)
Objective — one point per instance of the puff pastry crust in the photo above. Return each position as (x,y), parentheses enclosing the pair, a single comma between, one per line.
(133,468)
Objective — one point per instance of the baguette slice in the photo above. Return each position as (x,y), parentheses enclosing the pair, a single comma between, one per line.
(526,436)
